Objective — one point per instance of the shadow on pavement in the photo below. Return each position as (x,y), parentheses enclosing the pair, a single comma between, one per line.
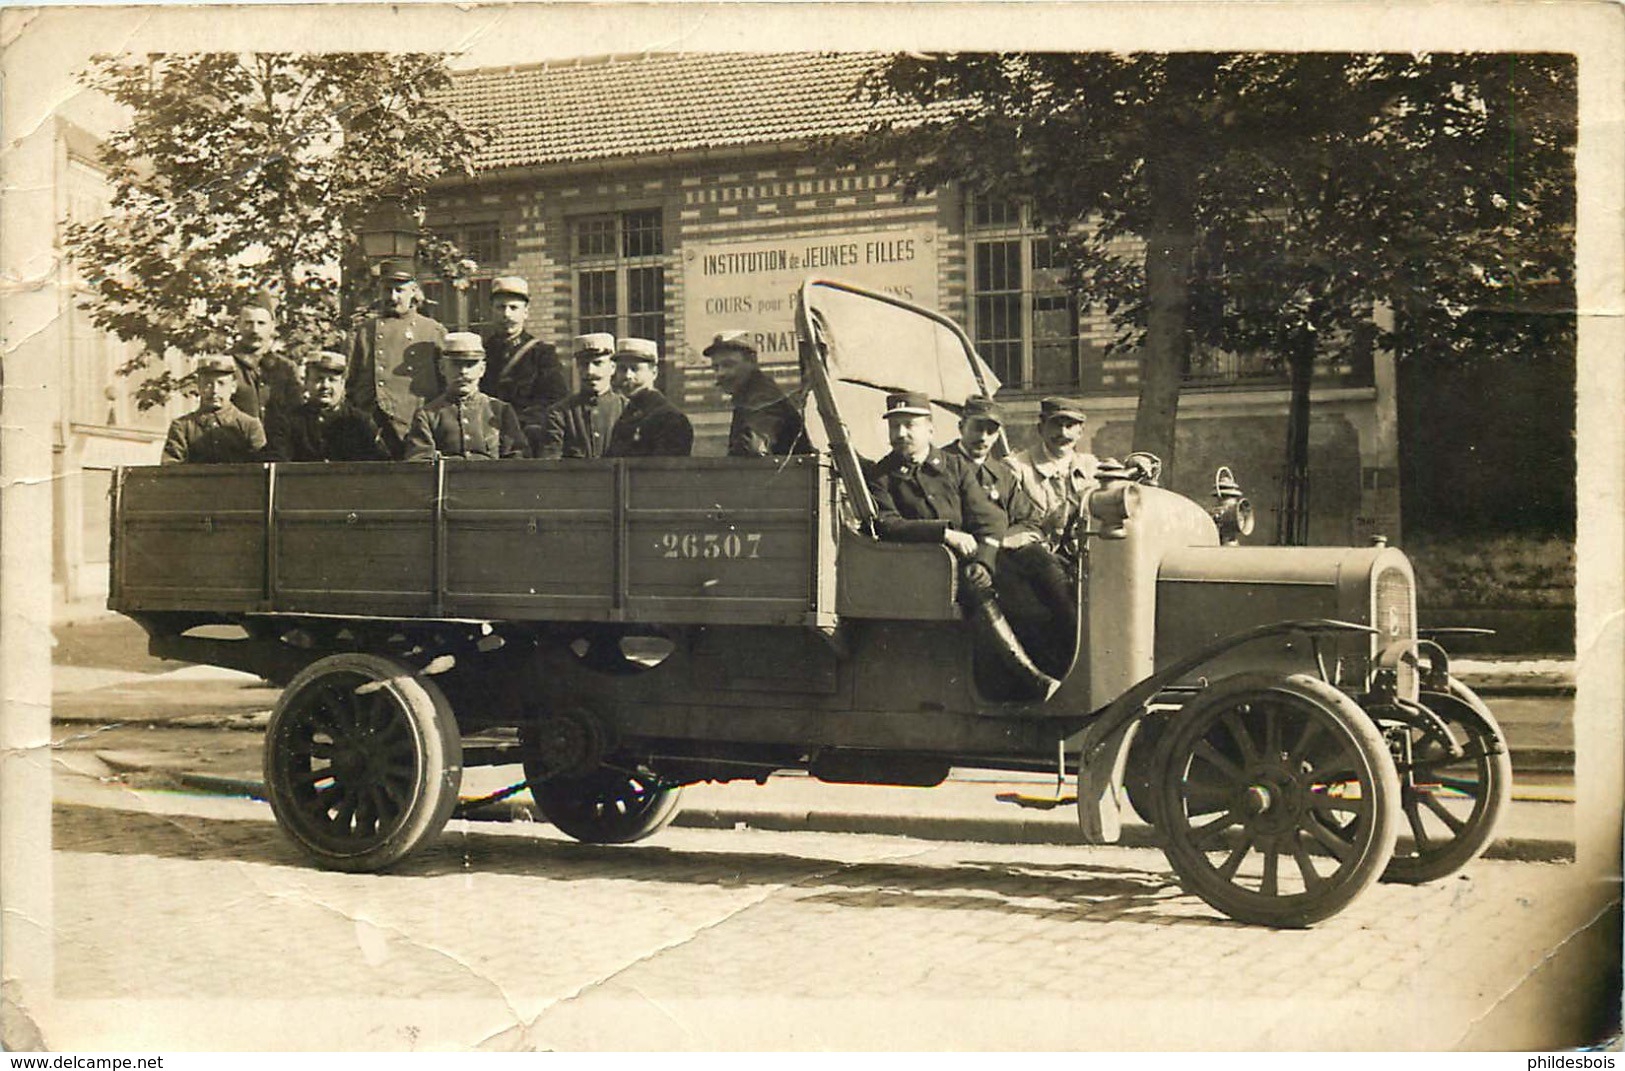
(1082,891)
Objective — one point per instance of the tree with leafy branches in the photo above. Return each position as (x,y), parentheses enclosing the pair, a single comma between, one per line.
(239,172)
(1278,199)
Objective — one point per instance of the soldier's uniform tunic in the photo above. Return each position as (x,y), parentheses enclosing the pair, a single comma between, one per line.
(393,371)
(916,503)
(650,426)
(581,425)
(266,384)
(532,383)
(224,436)
(311,433)
(476,427)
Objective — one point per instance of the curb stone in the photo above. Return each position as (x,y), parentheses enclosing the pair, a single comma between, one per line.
(915,826)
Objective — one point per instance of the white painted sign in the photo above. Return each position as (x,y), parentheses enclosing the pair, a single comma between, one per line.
(751,285)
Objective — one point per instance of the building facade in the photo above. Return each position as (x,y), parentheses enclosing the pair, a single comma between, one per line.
(98,425)
(672,196)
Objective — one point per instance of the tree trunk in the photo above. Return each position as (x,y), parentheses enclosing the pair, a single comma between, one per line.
(1171,163)
(1292,521)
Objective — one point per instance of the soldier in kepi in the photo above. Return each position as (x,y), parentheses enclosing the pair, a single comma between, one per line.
(1054,472)
(580,425)
(325,427)
(216,432)
(650,426)
(465,422)
(521,369)
(394,357)
(924,494)
(765,421)
(266,380)
(1036,591)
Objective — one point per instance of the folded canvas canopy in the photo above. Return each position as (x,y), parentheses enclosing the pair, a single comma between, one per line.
(859,346)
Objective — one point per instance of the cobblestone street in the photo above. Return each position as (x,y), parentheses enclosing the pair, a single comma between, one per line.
(194,923)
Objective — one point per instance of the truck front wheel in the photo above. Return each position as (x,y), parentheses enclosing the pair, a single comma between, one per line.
(1277,798)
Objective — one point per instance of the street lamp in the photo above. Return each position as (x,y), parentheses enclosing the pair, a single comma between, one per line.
(388,232)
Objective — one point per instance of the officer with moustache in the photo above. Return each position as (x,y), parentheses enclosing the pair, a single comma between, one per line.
(394,357)
(521,369)
(464,422)
(266,380)
(580,425)
(650,426)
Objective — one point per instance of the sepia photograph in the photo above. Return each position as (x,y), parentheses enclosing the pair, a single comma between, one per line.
(1030,527)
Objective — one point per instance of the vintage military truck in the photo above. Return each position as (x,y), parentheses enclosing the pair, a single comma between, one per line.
(625,627)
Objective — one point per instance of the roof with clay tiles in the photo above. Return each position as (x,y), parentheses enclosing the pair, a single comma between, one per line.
(626,106)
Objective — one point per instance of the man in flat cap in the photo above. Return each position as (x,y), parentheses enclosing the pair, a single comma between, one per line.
(765,421)
(521,369)
(1034,587)
(266,380)
(923,494)
(216,432)
(580,425)
(464,422)
(1053,471)
(325,427)
(394,357)
(650,426)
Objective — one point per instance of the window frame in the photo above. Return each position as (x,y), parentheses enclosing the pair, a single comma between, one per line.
(625,271)
(1012,221)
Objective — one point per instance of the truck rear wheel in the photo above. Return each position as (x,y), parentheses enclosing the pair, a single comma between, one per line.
(1451,806)
(608,806)
(363,761)
(1277,798)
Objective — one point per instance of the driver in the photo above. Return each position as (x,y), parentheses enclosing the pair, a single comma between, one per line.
(924,494)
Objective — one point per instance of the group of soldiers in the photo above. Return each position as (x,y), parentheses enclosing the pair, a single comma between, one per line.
(404,388)
(409,390)
(1011,521)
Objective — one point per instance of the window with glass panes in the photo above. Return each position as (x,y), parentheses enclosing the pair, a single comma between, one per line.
(620,274)
(1023,318)
(468,309)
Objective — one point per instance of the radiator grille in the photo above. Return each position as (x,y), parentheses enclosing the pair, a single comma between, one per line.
(1394,615)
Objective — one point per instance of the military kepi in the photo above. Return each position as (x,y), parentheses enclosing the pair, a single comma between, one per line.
(395,271)
(328,361)
(981,407)
(731,340)
(510,286)
(464,346)
(908,403)
(597,344)
(1061,407)
(637,349)
(216,363)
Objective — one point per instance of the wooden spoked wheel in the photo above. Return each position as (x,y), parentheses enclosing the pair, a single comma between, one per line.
(1277,798)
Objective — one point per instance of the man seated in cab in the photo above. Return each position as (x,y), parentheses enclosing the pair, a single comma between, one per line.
(765,421)
(924,494)
(326,427)
(580,425)
(464,422)
(1054,472)
(1037,593)
(216,432)
(649,426)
